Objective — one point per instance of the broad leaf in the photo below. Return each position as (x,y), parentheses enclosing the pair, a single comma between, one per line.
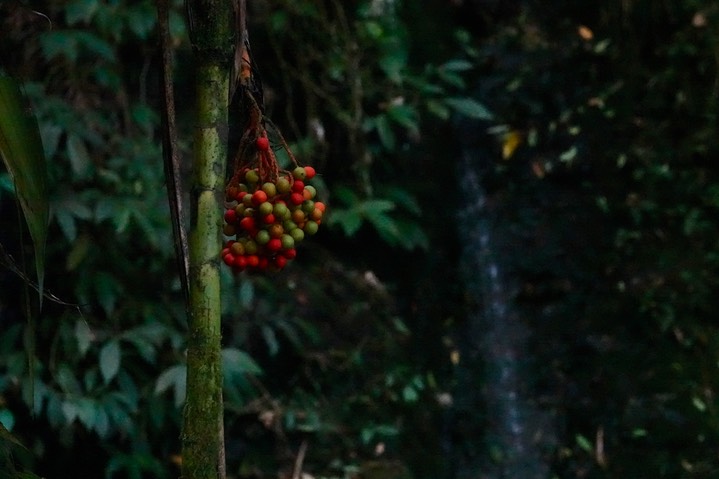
(21,150)
(469,107)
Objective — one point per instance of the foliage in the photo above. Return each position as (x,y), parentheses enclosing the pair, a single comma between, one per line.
(599,122)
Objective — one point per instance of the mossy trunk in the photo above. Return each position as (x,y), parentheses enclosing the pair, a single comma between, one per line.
(212,35)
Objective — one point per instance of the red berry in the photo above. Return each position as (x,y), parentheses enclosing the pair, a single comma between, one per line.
(253,260)
(280,261)
(263,144)
(296,198)
(309,172)
(264,263)
(275,244)
(289,253)
(241,262)
(230,216)
(298,186)
(228,259)
(268,219)
(247,223)
(259,197)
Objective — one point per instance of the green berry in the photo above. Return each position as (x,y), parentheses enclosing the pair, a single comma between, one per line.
(311,227)
(270,189)
(283,186)
(287,241)
(297,234)
(262,237)
(299,173)
(281,211)
(252,176)
(266,208)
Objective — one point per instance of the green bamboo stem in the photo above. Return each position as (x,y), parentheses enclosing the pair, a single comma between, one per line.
(211,24)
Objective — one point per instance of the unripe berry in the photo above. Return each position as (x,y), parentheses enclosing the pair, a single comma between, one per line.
(252,176)
(309,191)
(237,248)
(308,206)
(262,237)
(283,185)
(320,206)
(276,230)
(316,214)
(270,189)
(298,216)
(250,247)
(309,172)
(229,230)
(299,173)
(287,241)
(311,227)
(265,208)
(297,234)
(280,210)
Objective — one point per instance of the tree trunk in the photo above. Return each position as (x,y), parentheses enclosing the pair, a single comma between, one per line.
(212,34)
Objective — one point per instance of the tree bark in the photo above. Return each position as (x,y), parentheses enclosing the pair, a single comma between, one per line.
(213,37)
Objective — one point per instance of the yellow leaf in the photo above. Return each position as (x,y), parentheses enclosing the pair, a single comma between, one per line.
(510,143)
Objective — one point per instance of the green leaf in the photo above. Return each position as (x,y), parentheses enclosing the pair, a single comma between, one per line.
(107,290)
(83,336)
(406,116)
(469,108)
(79,156)
(110,358)
(235,361)
(457,65)
(22,153)
(59,43)
(80,11)
(350,220)
(175,377)
(384,130)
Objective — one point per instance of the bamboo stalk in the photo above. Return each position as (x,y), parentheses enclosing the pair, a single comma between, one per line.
(212,34)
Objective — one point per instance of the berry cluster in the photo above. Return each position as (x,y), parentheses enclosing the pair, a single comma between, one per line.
(268,217)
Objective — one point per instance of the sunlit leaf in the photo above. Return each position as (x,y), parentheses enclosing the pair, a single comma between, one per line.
(22,153)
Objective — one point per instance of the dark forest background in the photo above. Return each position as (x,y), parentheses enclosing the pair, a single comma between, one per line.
(517,276)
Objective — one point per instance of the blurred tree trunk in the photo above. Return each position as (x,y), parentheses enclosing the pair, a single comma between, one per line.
(495,369)
(213,36)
